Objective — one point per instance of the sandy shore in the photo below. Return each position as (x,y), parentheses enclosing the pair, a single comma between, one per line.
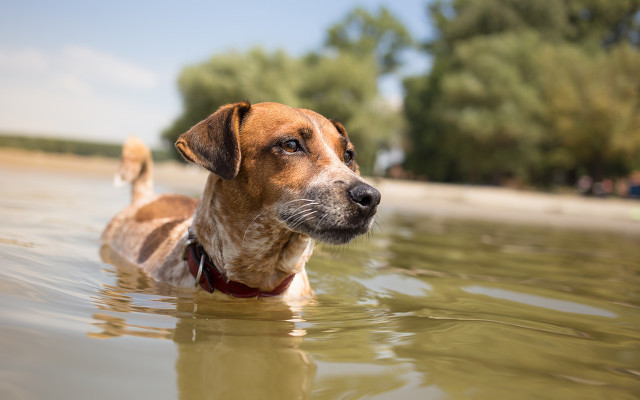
(436,200)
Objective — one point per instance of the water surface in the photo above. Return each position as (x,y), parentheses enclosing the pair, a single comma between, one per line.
(422,308)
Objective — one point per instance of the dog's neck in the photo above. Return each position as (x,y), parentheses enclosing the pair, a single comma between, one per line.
(251,247)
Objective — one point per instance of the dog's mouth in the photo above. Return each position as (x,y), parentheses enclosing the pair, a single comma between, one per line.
(330,218)
(339,235)
(325,226)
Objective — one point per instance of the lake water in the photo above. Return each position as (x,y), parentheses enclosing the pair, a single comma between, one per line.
(423,308)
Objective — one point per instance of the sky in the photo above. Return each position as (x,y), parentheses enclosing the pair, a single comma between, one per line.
(105,70)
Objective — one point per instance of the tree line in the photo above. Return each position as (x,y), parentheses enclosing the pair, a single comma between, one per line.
(70,146)
(538,91)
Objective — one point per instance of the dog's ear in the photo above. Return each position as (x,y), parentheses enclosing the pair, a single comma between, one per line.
(214,143)
(354,165)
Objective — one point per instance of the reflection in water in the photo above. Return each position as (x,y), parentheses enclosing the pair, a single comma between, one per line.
(423,308)
(216,359)
(428,309)
(486,311)
(540,301)
(225,349)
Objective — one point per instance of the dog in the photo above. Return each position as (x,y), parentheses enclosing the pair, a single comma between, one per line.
(280,178)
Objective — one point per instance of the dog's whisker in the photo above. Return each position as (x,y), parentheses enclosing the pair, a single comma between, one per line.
(305,205)
(293,220)
(301,210)
(302,219)
(369,236)
(377,225)
(254,220)
(296,200)
(321,219)
(301,199)
(297,212)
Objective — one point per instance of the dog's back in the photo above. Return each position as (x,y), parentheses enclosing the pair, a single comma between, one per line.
(146,230)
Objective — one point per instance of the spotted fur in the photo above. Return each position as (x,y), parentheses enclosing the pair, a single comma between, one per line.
(263,205)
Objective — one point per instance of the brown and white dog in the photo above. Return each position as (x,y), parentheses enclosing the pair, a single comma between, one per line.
(280,179)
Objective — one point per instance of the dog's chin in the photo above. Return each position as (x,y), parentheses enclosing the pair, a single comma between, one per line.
(334,234)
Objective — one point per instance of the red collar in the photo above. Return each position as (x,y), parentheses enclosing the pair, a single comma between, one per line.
(211,279)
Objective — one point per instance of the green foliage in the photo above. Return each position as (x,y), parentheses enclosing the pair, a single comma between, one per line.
(340,83)
(490,101)
(432,150)
(604,21)
(527,89)
(231,77)
(593,107)
(67,146)
(341,87)
(344,88)
(460,20)
(364,35)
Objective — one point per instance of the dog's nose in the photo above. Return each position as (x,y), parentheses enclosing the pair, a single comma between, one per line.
(365,197)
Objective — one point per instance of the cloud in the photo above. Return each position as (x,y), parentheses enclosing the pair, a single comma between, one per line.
(82,92)
(93,66)
(72,84)
(101,66)
(24,60)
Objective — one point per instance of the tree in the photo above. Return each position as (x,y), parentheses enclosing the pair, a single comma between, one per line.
(340,84)
(581,21)
(460,20)
(364,35)
(344,87)
(341,87)
(226,78)
(432,150)
(491,101)
(526,88)
(604,22)
(593,108)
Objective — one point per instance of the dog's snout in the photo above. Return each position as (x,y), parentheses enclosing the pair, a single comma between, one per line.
(365,197)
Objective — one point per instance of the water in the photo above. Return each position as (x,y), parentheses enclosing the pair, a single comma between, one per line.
(421,309)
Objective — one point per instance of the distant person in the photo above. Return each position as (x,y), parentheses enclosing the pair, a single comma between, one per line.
(622,188)
(585,182)
(603,189)
(634,185)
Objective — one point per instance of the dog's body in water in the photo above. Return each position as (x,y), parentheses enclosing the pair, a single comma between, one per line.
(280,179)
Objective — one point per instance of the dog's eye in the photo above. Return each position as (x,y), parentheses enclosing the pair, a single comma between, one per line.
(290,146)
(347,157)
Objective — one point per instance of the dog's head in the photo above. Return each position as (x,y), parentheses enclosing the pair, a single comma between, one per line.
(291,163)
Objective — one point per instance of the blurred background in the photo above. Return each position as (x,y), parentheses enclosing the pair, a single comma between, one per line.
(522,93)
(485,275)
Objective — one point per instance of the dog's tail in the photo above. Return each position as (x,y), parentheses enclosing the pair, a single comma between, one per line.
(136,168)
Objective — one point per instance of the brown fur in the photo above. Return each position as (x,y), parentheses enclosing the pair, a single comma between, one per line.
(155,239)
(167,206)
(262,205)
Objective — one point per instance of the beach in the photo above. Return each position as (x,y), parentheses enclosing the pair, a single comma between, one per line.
(432,199)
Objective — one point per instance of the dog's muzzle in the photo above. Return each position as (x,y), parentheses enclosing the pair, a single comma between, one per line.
(335,213)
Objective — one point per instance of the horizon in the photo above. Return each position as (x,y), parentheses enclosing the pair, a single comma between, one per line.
(90,72)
